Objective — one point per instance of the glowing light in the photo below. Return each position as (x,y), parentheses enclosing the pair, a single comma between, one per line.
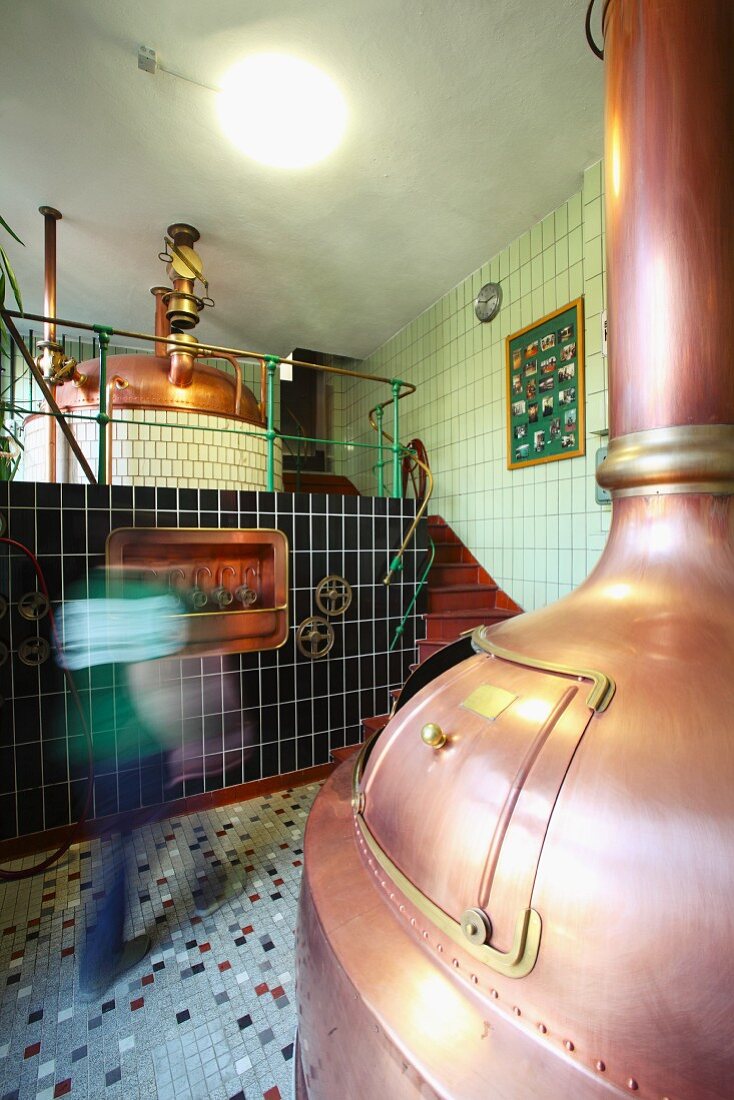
(618,591)
(281,111)
(616,160)
(535,710)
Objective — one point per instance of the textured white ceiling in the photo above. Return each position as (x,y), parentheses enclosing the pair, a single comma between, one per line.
(468,119)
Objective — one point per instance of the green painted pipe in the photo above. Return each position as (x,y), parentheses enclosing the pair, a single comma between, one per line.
(272,362)
(104,332)
(396,448)
(379,413)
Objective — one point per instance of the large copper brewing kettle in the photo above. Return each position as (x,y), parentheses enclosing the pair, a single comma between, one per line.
(147,385)
(524,889)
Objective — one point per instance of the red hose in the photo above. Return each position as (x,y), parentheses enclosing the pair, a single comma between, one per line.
(28,872)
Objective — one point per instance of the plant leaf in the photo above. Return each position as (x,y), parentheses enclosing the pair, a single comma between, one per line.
(5,226)
(12,278)
(2,302)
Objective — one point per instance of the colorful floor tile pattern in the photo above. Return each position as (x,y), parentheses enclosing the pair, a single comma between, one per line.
(209,1013)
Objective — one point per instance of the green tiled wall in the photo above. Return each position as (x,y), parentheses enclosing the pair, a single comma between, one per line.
(537,530)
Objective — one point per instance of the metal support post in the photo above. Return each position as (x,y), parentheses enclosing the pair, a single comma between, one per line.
(379,413)
(271,362)
(103,332)
(396,486)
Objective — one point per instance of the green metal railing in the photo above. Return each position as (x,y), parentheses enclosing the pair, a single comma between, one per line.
(400,629)
(103,334)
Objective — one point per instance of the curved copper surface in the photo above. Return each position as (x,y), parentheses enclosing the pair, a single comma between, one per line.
(617,828)
(148,387)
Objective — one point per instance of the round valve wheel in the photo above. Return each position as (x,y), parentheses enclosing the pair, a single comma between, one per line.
(333,595)
(315,637)
(4,653)
(246,596)
(34,651)
(33,606)
(3,606)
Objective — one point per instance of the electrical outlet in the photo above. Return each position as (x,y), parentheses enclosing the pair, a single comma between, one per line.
(602,496)
(147,60)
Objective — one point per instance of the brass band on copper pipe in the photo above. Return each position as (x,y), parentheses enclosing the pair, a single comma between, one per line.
(241,353)
(687,458)
(114,383)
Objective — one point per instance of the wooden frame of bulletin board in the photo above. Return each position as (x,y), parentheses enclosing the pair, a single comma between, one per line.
(545,389)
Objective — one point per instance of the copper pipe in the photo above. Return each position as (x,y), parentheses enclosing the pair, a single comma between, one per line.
(50,217)
(669,161)
(114,383)
(162,327)
(181,352)
(52,437)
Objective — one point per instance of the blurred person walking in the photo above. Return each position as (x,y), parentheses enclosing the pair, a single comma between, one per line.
(120,637)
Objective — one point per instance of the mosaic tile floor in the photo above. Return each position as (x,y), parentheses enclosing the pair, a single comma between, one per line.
(209,1013)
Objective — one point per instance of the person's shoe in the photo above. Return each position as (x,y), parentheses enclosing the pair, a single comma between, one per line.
(132,952)
(211,896)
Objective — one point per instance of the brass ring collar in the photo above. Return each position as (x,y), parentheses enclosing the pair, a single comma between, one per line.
(686,458)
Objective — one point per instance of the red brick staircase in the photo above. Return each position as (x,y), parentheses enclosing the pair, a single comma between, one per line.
(461,595)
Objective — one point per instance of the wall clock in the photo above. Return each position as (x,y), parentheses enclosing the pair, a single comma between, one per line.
(488,301)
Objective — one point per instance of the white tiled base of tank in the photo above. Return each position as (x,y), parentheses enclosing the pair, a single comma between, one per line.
(158,447)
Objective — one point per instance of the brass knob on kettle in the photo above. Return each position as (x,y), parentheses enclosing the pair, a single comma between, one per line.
(433,736)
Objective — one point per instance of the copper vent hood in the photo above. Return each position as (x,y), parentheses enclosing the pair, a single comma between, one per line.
(524,888)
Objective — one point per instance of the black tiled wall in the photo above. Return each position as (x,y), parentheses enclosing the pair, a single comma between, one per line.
(301,708)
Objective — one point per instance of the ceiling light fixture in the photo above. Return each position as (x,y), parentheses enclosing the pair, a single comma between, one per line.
(281,111)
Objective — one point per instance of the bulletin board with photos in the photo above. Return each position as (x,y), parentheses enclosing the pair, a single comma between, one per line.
(545,388)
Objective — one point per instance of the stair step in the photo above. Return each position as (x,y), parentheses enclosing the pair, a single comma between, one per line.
(314,482)
(445,626)
(441,533)
(376,722)
(426,648)
(448,553)
(340,755)
(444,574)
(461,597)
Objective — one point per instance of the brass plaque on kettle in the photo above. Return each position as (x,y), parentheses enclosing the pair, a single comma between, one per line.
(489,701)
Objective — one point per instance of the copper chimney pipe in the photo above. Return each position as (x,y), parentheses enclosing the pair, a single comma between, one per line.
(50,217)
(162,327)
(669,163)
(49,346)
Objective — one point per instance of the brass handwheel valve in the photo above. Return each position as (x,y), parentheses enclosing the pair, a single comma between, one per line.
(333,595)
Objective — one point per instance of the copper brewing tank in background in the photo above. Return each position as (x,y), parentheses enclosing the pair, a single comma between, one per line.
(528,891)
(172,379)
